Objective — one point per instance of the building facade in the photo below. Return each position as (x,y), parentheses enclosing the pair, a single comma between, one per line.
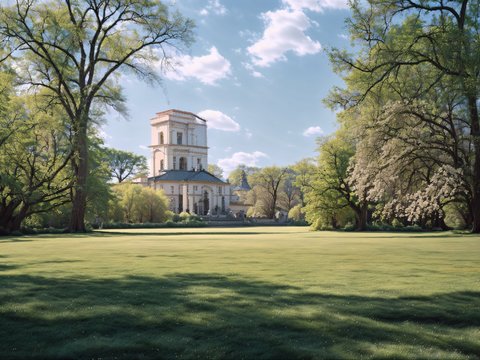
(179,163)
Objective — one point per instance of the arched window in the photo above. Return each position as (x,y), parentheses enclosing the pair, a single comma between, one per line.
(160,138)
(162,165)
(183,163)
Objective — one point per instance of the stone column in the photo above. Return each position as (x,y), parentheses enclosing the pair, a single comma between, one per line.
(185,197)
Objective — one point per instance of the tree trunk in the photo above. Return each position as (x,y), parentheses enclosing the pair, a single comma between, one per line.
(7,218)
(438,221)
(475,132)
(476,190)
(361,215)
(79,203)
(334,222)
(10,222)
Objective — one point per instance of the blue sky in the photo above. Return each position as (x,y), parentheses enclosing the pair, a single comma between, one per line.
(257,71)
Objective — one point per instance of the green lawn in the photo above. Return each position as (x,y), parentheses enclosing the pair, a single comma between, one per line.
(272,292)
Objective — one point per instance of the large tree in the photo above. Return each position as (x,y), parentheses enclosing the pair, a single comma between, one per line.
(75,50)
(267,187)
(329,190)
(35,151)
(411,34)
(125,164)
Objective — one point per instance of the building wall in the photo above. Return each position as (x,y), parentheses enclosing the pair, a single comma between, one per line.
(193,193)
(193,145)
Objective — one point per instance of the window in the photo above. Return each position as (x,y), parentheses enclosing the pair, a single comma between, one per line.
(183,163)
(174,163)
(160,138)
(179,138)
(162,165)
(172,189)
(199,164)
(195,188)
(219,189)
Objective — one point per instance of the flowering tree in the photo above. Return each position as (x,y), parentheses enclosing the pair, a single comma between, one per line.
(402,38)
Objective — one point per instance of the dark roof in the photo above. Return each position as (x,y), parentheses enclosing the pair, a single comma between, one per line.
(244,186)
(187,175)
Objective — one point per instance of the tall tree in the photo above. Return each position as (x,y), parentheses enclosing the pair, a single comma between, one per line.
(408,34)
(74,50)
(291,193)
(125,164)
(267,182)
(304,169)
(329,190)
(35,152)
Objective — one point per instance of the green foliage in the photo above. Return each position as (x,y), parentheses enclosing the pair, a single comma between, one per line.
(296,213)
(330,200)
(235,177)
(35,153)
(137,204)
(416,97)
(215,170)
(74,51)
(125,165)
(267,186)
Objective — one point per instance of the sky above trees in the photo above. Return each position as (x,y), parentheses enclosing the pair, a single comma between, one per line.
(257,71)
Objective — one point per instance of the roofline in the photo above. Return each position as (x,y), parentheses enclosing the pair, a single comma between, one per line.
(170,111)
(188,180)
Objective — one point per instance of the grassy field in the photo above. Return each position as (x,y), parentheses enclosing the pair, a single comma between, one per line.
(250,293)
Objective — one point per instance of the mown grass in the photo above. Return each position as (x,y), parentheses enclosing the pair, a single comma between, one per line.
(252,293)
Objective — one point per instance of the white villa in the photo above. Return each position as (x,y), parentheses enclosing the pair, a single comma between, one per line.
(179,159)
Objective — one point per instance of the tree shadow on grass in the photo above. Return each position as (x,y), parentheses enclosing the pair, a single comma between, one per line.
(214,316)
(8,239)
(415,235)
(104,233)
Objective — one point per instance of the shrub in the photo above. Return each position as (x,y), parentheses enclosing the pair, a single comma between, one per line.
(295,213)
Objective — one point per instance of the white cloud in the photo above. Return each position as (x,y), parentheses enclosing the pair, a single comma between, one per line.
(312,131)
(284,32)
(215,7)
(240,158)
(143,147)
(251,69)
(316,5)
(343,36)
(208,68)
(248,134)
(218,120)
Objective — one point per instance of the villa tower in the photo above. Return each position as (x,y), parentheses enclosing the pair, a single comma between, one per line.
(179,141)
(179,163)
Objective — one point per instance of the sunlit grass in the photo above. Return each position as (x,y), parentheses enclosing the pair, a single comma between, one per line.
(274,292)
